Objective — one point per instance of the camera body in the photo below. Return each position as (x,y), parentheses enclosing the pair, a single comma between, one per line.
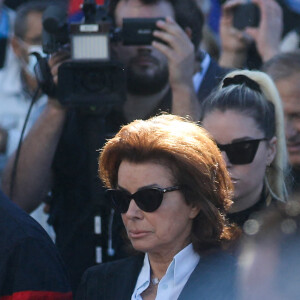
(92,77)
(246,15)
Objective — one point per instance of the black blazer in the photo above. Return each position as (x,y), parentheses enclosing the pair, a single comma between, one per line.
(213,279)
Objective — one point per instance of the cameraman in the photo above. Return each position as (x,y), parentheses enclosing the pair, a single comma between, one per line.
(59,153)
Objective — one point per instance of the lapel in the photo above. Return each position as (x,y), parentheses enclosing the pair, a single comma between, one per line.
(212,279)
(121,280)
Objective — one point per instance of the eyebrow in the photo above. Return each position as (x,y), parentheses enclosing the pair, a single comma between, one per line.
(139,189)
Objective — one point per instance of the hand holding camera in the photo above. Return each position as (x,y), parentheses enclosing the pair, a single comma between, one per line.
(178,49)
(258,21)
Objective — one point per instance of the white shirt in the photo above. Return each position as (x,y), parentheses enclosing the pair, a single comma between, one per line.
(198,77)
(172,283)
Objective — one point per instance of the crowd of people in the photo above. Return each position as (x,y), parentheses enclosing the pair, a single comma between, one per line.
(198,159)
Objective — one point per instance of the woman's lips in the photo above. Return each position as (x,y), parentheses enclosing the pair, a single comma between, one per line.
(234,180)
(135,234)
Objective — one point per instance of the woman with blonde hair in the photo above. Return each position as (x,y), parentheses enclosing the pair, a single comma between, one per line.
(245,118)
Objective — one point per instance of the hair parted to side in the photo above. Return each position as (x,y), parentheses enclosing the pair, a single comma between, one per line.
(265,108)
(195,162)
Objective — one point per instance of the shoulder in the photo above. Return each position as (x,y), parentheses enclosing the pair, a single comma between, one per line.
(100,282)
(29,259)
(213,278)
(112,269)
(16,225)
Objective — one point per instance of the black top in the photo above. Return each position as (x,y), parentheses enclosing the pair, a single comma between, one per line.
(213,278)
(241,217)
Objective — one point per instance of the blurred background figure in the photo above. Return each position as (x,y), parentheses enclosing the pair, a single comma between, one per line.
(17,91)
(210,40)
(248,47)
(269,262)
(285,71)
(9,69)
(245,118)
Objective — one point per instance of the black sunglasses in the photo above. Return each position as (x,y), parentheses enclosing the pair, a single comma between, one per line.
(147,199)
(241,153)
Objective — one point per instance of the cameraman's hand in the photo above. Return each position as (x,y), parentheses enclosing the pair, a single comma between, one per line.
(179,51)
(234,42)
(54,62)
(268,35)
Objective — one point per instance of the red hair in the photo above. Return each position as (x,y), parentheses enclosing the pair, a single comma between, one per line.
(194,160)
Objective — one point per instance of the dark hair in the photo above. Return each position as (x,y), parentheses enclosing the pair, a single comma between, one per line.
(246,99)
(255,95)
(195,162)
(187,14)
(20,26)
(283,65)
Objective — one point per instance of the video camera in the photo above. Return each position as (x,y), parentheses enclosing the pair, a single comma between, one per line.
(91,77)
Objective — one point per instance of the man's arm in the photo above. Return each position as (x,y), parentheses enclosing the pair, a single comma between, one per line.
(33,173)
(181,63)
(34,270)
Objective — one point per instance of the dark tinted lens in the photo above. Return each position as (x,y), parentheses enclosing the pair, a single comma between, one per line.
(119,199)
(241,153)
(148,200)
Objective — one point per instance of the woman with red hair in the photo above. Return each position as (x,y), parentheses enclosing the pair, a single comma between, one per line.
(168,180)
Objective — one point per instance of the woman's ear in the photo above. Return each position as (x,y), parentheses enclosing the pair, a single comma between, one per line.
(272,150)
(195,209)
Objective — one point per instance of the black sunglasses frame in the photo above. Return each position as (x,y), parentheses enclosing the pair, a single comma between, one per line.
(239,158)
(121,199)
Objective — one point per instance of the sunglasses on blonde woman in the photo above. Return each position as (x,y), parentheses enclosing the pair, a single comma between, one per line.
(241,153)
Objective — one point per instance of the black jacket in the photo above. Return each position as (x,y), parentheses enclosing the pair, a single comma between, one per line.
(213,278)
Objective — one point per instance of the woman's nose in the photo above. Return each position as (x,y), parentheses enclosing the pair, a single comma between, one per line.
(133,210)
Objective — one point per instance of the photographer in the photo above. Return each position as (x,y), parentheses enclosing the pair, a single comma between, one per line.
(60,153)
(251,45)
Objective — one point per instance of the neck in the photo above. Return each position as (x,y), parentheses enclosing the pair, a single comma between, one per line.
(160,262)
(247,201)
(138,107)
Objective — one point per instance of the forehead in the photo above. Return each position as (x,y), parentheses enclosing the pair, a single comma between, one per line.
(34,25)
(137,9)
(230,125)
(289,90)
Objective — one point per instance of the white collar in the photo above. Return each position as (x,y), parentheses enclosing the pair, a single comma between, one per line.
(179,269)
